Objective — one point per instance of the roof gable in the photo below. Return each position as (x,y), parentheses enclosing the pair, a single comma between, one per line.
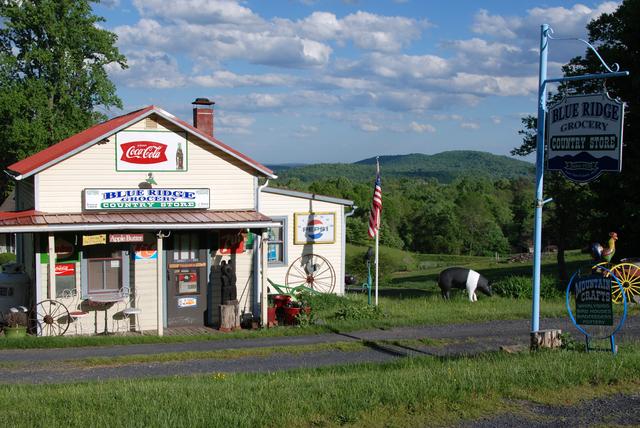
(85,139)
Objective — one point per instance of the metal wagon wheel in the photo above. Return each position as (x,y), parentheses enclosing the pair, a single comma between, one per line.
(46,316)
(629,276)
(313,271)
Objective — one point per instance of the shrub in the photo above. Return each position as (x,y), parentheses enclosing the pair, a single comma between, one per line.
(7,258)
(520,287)
(340,307)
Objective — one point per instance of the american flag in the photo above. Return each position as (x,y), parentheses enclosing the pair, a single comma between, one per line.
(376,205)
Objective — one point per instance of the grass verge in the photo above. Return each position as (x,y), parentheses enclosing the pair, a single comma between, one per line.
(424,391)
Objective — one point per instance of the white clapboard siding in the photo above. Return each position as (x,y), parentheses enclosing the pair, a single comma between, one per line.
(146,291)
(230,181)
(275,205)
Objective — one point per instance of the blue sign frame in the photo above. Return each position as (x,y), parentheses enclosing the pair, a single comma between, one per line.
(588,337)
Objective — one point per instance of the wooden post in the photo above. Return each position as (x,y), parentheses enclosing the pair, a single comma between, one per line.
(160,286)
(546,339)
(263,280)
(229,319)
(51,291)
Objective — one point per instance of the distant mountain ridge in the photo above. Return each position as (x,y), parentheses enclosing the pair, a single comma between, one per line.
(445,167)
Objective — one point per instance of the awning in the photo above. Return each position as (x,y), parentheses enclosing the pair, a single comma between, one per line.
(36,221)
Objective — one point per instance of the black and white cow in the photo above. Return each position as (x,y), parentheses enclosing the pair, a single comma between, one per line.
(457,277)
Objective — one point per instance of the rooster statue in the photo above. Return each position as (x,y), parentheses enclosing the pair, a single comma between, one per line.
(605,253)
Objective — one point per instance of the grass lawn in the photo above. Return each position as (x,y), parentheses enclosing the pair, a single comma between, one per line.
(419,391)
(406,298)
(413,391)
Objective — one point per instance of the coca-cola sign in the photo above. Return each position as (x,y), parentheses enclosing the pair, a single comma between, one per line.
(65,269)
(144,152)
(151,151)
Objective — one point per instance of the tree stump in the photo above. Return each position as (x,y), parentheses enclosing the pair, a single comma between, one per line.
(229,319)
(546,339)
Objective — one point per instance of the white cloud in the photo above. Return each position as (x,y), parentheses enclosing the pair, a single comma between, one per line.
(198,11)
(365,30)
(149,70)
(442,117)
(226,123)
(228,79)
(470,125)
(497,120)
(421,127)
(492,85)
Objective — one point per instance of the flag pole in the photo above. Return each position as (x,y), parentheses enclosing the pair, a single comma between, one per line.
(377,232)
(377,238)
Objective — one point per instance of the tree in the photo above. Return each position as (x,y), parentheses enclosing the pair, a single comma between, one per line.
(53,59)
(585,213)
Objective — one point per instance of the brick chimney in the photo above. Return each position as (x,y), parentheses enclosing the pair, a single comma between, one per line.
(203,115)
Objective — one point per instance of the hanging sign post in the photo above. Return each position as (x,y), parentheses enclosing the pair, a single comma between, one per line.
(545,36)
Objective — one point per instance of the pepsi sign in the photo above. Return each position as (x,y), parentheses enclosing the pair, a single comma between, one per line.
(314,228)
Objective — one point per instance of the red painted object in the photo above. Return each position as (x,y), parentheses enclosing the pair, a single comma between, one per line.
(290,315)
(271,317)
(281,300)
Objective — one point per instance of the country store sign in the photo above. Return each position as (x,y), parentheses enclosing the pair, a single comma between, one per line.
(134,199)
(585,136)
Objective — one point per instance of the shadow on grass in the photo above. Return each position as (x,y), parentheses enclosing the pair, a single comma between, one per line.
(389,349)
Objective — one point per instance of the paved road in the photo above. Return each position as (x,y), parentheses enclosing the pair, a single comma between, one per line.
(56,365)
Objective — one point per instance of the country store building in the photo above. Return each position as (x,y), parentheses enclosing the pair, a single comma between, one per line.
(149,212)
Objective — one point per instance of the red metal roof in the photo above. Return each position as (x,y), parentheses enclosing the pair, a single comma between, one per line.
(64,148)
(158,219)
(74,142)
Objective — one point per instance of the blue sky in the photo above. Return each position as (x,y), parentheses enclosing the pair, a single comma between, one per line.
(342,80)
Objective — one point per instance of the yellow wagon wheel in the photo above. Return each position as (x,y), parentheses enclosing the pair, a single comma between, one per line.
(597,268)
(629,276)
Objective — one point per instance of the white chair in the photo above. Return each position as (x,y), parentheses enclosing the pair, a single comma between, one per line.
(76,314)
(131,313)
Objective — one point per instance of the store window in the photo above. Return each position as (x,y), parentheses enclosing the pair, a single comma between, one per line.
(106,267)
(185,246)
(65,277)
(277,245)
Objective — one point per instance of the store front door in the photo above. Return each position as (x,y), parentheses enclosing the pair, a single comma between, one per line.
(187,280)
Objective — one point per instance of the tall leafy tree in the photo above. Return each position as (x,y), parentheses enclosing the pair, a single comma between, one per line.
(585,213)
(53,74)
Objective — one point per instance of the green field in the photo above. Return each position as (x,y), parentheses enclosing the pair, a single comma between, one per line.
(413,391)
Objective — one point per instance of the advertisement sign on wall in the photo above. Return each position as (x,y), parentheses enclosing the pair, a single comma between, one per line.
(135,199)
(585,136)
(151,151)
(314,228)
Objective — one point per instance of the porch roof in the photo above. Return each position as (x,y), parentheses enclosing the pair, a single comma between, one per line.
(37,221)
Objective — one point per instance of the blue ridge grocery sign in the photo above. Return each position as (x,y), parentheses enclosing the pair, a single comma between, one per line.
(145,199)
(584,136)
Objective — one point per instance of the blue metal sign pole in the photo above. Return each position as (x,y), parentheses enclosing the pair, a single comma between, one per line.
(545,36)
(537,232)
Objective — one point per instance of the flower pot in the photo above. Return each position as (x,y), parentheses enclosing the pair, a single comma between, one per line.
(271,316)
(281,300)
(290,315)
(15,332)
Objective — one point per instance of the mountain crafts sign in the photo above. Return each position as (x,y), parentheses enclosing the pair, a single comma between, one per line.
(584,136)
(151,151)
(147,199)
(593,300)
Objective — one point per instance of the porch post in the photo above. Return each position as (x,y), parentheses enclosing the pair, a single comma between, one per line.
(264,317)
(51,291)
(160,286)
